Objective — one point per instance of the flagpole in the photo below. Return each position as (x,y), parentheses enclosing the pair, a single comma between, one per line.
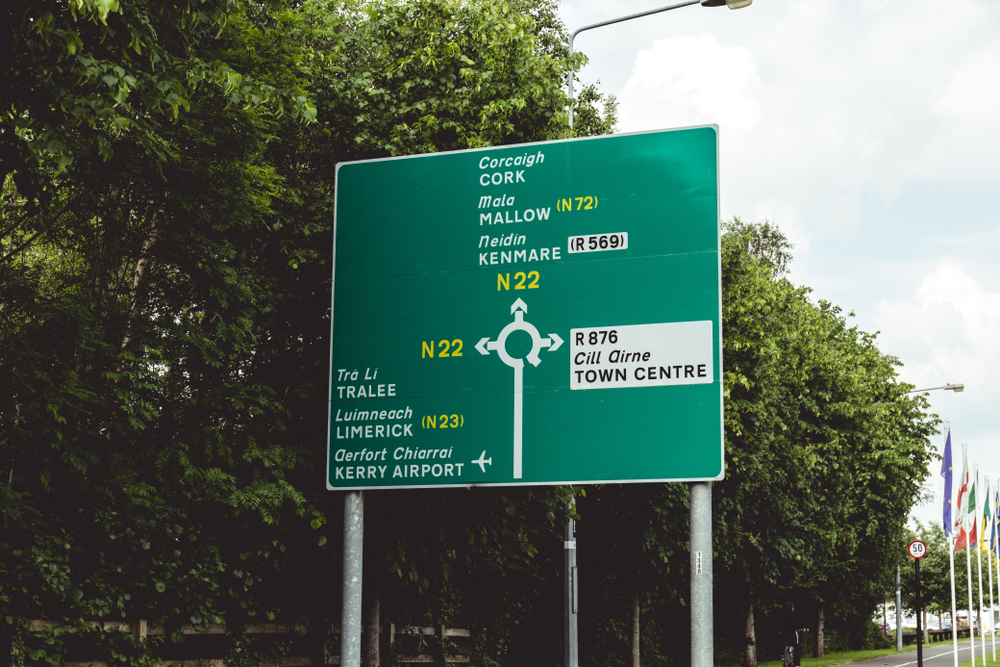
(972,628)
(964,514)
(989,568)
(996,546)
(954,620)
(982,629)
(979,559)
(947,522)
(995,543)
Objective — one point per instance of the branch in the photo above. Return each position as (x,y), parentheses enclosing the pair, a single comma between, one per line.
(34,236)
(21,247)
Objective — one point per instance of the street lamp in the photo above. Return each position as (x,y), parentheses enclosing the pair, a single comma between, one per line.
(949,387)
(732,4)
(957,387)
(701,504)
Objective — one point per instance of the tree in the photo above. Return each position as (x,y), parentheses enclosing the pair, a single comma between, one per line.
(823,454)
(142,411)
(634,568)
(424,77)
(86,74)
(824,451)
(935,574)
(166,225)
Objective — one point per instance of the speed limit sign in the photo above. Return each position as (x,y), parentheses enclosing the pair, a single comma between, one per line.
(917,549)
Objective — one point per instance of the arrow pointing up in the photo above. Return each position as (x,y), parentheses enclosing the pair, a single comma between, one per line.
(519,305)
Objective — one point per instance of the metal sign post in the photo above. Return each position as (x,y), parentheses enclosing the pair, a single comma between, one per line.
(702,614)
(350,621)
(571,596)
(918,550)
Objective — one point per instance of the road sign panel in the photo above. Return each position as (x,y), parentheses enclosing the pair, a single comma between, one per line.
(917,549)
(533,314)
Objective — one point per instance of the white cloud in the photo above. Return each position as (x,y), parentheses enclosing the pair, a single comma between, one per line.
(948,330)
(949,326)
(973,94)
(832,103)
(692,81)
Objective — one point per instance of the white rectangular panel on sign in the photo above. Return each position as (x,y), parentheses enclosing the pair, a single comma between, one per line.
(641,355)
(597,242)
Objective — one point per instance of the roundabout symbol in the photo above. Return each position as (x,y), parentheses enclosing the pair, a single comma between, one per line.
(485,345)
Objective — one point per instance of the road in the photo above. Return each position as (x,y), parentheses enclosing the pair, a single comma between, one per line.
(935,655)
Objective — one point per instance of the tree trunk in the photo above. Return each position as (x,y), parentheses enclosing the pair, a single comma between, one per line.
(750,657)
(372,657)
(142,270)
(6,648)
(819,632)
(925,628)
(6,526)
(635,631)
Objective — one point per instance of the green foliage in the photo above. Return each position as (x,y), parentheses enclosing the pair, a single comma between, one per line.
(825,452)
(144,392)
(165,229)
(83,76)
(246,651)
(433,75)
(935,573)
(763,241)
(633,541)
(824,456)
(483,559)
(594,112)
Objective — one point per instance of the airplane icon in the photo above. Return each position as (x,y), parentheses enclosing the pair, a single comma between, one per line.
(482,461)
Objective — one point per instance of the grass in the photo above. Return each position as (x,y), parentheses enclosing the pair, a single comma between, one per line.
(847,657)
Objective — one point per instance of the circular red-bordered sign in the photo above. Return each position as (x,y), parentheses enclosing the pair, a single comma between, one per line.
(917,549)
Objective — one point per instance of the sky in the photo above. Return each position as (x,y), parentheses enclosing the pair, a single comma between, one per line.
(867,130)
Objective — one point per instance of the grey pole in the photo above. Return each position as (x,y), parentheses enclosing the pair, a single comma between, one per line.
(920,634)
(702,624)
(571,637)
(899,614)
(350,618)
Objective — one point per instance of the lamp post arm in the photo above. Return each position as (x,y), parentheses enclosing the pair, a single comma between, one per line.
(610,22)
(950,387)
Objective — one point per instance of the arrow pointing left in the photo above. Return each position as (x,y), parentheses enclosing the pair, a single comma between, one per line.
(481,346)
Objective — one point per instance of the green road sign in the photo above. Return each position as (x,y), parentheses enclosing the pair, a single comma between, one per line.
(533,314)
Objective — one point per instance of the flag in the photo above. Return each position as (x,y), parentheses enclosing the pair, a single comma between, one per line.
(946,472)
(986,513)
(994,542)
(969,515)
(962,500)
